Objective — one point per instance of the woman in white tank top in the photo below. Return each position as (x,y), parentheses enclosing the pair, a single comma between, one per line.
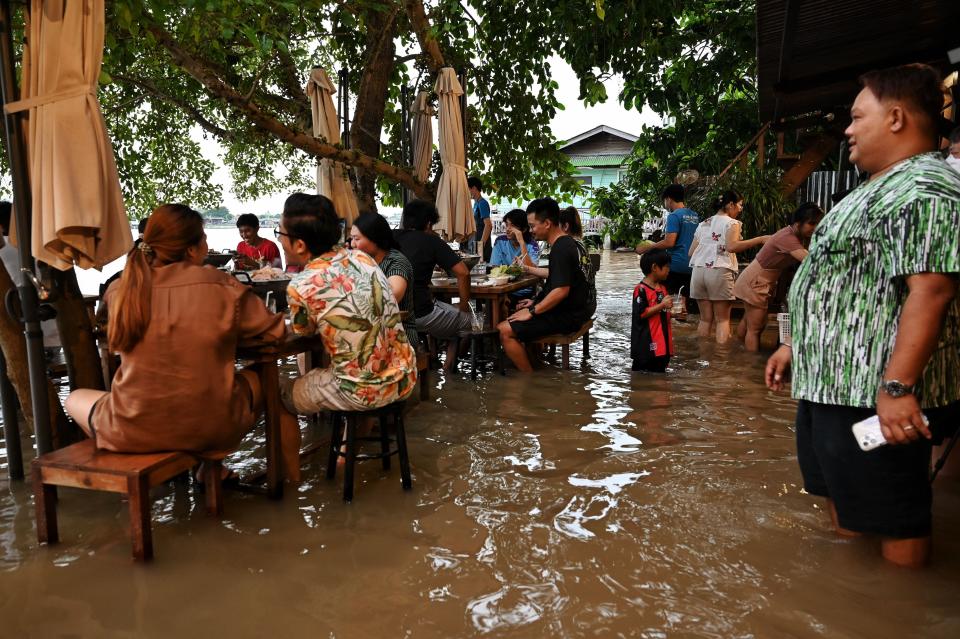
(713,256)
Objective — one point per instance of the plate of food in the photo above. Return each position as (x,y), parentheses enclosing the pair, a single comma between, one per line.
(510,272)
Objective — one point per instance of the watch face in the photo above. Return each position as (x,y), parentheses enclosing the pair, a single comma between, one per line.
(895,388)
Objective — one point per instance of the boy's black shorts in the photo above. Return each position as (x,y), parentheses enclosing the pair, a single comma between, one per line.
(652,364)
(885,491)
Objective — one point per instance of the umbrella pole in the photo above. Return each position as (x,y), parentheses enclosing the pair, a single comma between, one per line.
(406,145)
(29,301)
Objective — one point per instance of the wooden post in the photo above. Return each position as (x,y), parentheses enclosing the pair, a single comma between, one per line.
(761,151)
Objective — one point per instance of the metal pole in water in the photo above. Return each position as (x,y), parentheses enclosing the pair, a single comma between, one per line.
(22,205)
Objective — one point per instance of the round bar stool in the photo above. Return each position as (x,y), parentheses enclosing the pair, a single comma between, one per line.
(345,422)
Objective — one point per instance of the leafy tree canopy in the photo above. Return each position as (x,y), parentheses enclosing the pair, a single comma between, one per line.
(234,71)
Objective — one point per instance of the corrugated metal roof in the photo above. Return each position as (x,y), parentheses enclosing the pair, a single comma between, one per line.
(597,160)
(828,44)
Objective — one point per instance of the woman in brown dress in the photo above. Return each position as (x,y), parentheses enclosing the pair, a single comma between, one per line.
(758,282)
(176,325)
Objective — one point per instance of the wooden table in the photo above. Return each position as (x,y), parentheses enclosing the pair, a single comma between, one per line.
(265,355)
(495,296)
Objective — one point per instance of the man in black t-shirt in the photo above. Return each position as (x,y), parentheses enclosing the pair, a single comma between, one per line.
(563,305)
(425,250)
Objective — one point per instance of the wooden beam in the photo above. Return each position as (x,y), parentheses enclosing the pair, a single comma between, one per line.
(811,158)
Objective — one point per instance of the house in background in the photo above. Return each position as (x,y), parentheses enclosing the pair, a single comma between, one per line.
(599,156)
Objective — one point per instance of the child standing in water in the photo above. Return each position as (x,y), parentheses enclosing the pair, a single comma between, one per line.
(651,339)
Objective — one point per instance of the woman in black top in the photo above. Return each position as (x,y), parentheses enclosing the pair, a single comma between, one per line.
(371,234)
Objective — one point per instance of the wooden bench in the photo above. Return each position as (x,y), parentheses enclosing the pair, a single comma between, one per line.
(564,341)
(81,465)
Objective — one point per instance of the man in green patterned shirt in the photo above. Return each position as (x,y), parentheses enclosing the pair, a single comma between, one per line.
(876,320)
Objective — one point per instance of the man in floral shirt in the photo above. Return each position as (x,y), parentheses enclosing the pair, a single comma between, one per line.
(343,296)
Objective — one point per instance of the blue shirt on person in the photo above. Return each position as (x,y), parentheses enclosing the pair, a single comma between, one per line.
(481,212)
(684,223)
(504,252)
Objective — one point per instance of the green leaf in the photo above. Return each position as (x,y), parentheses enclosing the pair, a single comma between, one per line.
(601,12)
(377,293)
(369,343)
(348,323)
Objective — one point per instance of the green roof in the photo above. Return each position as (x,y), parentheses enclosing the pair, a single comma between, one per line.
(598,160)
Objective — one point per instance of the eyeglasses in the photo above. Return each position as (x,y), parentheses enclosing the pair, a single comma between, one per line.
(277,233)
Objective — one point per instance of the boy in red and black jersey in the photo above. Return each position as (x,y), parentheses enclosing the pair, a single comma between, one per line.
(651,339)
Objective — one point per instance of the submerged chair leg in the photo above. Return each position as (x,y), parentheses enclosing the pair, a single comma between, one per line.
(384,440)
(213,486)
(336,440)
(45,502)
(351,458)
(138,494)
(405,479)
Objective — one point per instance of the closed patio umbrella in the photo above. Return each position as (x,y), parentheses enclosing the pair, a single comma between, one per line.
(332,179)
(453,196)
(78,216)
(422,133)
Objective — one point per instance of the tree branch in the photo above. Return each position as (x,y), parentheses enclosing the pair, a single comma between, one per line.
(407,58)
(421,26)
(269,124)
(192,111)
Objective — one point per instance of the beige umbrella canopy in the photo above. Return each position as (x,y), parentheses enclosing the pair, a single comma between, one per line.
(78,213)
(422,134)
(453,196)
(332,179)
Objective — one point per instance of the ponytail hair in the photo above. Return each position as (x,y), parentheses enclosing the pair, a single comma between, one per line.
(171,230)
(570,217)
(727,197)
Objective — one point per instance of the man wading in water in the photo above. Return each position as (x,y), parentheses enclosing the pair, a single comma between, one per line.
(876,320)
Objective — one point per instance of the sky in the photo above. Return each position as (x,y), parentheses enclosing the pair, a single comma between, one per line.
(575,119)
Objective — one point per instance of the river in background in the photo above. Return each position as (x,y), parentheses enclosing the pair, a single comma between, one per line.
(591,502)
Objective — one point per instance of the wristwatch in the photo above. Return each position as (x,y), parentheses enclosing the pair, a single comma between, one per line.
(895,388)
(533,309)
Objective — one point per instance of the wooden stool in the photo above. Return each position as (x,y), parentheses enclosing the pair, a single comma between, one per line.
(339,419)
(476,339)
(423,374)
(81,465)
(564,342)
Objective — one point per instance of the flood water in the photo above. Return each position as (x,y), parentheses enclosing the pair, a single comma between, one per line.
(592,502)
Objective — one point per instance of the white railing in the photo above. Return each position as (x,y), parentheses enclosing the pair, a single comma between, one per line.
(592,226)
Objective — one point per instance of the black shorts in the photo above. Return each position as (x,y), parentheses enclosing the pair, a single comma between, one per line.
(547,324)
(652,365)
(885,491)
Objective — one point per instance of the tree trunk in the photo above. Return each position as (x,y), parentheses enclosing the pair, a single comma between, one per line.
(76,333)
(367,125)
(15,351)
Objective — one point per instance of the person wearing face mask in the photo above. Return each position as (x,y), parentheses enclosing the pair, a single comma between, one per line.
(758,282)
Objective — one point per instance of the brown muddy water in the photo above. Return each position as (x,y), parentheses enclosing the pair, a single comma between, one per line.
(593,502)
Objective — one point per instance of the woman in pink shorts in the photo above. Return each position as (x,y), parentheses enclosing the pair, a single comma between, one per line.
(756,285)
